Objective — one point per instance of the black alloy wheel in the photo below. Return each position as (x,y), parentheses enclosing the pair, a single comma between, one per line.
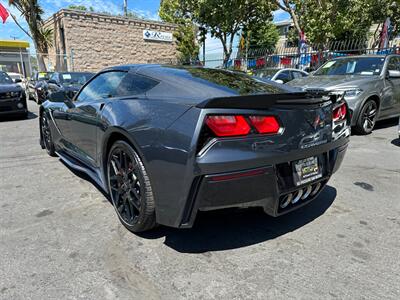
(46,139)
(367,118)
(130,188)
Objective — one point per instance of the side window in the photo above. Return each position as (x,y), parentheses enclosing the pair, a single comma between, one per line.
(134,84)
(284,76)
(54,77)
(103,86)
(296,74)
(394,64)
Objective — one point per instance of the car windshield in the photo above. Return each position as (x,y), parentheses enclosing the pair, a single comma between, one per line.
(266,73)
(75,78)
(15,76)
(44,75)
(5,79)
(352,66)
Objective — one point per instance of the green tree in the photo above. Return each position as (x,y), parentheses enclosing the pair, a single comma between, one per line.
(324,20)
(224,19)
(186,33)
(265,35)
(42,37)
(81,7)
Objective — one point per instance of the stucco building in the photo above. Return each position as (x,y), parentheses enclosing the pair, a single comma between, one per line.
(87,41)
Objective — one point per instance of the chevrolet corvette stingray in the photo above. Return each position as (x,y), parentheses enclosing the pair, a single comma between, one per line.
(166,142)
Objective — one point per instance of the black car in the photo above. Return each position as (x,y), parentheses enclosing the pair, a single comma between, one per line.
(70,82)
(12,97)
(166,142)
(35,87)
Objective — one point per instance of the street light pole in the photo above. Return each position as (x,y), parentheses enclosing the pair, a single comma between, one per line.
(126,8)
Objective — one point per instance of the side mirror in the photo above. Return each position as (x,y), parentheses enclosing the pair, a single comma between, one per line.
(18,80)
(279,81)
(394,74)
(61,96)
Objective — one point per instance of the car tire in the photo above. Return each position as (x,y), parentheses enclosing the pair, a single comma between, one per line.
(367,118)
(130,188)
(46,139)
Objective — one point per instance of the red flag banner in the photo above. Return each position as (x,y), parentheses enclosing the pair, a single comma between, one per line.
(3,13)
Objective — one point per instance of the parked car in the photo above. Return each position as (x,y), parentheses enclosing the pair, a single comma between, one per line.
(18,78)
(280,75)
(370,84)
(35,87)
(12,97)
(167,142)
(70,82)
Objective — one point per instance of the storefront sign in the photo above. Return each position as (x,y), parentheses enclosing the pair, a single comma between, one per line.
(157,36)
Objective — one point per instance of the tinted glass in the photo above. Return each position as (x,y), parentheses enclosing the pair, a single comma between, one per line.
(133,84)
(284,76)
(394,64)
(239,83)
(5,79)
(54,77)
(103,86)
(15,76)
(352,66)
(44,75)
(75,78)
(266,73)
(296,74)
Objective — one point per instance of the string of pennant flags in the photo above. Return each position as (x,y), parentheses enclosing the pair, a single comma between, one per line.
(301,60)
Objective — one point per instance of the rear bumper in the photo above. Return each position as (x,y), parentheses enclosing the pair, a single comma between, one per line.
(263,186)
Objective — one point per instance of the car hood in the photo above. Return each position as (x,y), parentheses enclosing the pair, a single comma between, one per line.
(4,88)
(327,82)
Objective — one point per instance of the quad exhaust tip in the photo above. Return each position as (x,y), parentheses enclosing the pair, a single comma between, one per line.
(302,194)
(316,188)
(296,199)
(287,199)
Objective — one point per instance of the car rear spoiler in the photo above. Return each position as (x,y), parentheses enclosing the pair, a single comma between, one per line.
(266,101)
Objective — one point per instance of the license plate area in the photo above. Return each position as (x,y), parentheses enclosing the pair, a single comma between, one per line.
(307,170)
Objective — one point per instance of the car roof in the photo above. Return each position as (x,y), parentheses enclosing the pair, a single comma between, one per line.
(190,83)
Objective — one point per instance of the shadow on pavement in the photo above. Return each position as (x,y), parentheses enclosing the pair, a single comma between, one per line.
(236,228)
(386,123)
(396,142)
(232,228)
(7,118)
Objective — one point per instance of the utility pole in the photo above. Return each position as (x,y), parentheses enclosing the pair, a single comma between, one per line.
(126,8)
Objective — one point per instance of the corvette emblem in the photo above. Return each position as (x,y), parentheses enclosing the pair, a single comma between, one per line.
(317,121)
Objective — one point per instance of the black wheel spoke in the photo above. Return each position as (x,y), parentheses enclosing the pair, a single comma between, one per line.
(124,185)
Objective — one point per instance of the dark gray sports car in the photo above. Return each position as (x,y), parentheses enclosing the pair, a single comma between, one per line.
(166,142)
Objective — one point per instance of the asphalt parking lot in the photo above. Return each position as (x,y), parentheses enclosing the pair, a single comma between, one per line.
(60,237)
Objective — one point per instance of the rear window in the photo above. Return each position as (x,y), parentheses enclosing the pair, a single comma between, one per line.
(238,83)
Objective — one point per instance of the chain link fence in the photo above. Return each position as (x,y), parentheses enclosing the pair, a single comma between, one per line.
(307,57)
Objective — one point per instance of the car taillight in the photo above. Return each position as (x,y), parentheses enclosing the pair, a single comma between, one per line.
(339,113)
(265,124)
(223,125)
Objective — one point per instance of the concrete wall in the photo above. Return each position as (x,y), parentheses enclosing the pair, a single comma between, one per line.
(98,41)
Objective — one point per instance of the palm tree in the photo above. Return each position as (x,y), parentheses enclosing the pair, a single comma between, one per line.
(42,37)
